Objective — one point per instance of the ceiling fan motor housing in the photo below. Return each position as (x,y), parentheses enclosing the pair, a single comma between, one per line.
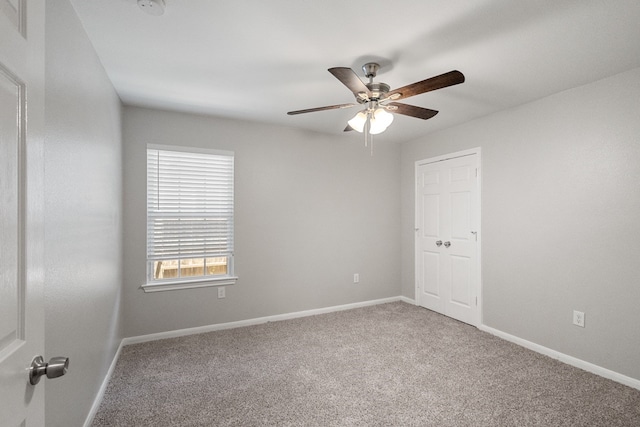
(378,90)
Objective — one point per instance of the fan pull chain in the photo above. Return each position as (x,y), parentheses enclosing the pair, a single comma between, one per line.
(367,125)
(368,137)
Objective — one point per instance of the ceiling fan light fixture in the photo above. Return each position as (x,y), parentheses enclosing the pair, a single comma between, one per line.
(380,121)
(375,128)
(358,121)
(383,116)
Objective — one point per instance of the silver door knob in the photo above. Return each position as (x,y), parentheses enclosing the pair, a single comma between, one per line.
(56,367)
(439,243)
(447,244)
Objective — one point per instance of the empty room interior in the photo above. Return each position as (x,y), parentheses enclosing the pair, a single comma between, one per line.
(388,213)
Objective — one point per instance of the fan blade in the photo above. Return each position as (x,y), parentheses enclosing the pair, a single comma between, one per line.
(350,79)
(438,82)
(312,110)
(413,111)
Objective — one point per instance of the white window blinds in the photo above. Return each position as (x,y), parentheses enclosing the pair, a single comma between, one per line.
(189,204)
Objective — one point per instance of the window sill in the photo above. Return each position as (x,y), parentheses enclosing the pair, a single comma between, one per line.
(177,285)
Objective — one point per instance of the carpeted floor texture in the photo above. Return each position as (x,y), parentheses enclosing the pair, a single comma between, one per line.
(392,364)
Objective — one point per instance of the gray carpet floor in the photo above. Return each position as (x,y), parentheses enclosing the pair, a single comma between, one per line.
(387,365)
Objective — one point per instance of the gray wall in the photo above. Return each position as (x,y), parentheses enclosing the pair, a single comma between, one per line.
(560,218)
(83,202)
(311,210)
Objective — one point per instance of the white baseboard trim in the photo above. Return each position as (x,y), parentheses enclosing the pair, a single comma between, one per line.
(256,321)
(408,300)
(103,388)
(569,360)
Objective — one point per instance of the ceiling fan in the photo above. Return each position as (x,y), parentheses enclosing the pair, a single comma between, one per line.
(379,99)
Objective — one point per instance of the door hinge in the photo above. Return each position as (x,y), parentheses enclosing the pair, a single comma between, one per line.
(476,172)
(476,301)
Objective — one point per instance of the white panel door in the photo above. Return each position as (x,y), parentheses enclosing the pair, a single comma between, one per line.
(21,215)
(447,250)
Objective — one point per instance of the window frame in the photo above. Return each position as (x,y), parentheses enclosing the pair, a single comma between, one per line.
(189,282)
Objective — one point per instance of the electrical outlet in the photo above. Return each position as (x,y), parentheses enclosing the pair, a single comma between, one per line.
(578,318)
(356,278)
(221,292)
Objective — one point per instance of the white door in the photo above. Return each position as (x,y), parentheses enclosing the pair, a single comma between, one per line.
(447,247)
(21,216)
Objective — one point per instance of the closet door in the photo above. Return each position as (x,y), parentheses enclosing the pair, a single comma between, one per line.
(447,250)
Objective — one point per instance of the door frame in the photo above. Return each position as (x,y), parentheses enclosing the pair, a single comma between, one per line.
(472,151)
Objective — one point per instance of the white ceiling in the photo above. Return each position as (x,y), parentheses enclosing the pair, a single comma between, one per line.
(258,59)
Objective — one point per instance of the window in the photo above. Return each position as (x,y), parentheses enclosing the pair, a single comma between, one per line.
(189,218)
